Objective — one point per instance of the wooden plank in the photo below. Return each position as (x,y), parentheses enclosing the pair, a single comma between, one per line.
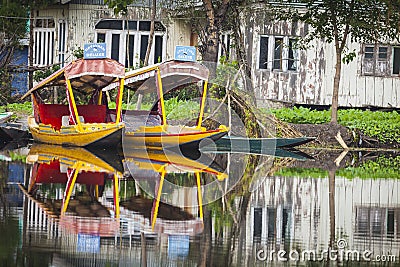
(387,94)
(369,90)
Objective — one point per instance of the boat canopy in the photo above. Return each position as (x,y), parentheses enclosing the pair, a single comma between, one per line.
(173,74)
(85,75)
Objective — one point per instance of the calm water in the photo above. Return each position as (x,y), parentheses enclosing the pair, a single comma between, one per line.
(268,209)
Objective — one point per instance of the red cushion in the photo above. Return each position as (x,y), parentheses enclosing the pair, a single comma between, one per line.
(53,113)
(50,174)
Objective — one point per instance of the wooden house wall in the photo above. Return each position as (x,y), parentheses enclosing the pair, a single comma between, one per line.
(312,83)
(82,18)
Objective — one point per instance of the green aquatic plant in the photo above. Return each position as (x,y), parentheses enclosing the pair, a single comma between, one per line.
(382,167)
(385,126)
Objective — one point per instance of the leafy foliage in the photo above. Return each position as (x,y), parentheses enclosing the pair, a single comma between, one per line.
(383,125)
(341,21)
(19,109)
(119,6)
(42,74)
(12,30)
(382,167)
(361,21)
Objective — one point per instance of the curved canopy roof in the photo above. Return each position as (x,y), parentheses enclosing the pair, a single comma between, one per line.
(173,74)
(84,74)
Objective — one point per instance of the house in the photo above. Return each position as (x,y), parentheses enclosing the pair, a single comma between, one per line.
(62,29)
(282,73)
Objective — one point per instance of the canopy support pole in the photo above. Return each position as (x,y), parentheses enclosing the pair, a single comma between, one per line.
(119,100)
(155,213)
(161,96)
(116,195)
(73,104)
(69,188)
(202,104)
(199,195)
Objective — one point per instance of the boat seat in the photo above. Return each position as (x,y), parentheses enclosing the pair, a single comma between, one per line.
(134,119)
(65,120)
(53,113)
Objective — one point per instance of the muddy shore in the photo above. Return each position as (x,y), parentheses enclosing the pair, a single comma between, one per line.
(325,135)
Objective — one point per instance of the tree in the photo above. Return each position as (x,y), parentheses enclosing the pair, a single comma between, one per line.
(209,21)
(13,22)
(340,21)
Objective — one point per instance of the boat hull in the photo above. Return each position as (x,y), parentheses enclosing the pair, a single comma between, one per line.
(164,139)
(94,134)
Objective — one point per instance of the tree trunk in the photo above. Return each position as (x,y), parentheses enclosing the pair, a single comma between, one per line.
(240,48)
(332,225)
(336,83)
(30,49)
(151,36)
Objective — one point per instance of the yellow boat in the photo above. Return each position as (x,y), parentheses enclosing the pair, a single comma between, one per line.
(91,123)
(149,127)
(142,163)
(71,165)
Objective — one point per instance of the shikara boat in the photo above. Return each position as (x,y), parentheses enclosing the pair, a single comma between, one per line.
(149,127)
(90,122)
(76,213)
(145,164)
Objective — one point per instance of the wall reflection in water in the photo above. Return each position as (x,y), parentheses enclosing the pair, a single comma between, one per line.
(74,212)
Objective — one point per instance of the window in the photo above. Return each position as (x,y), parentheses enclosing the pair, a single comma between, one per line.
(278,56)
(62,37)
(43,33)
(132,37)
(225,46)
(263,60)
(376,60)
(278,53)
(396,60)
(293,55)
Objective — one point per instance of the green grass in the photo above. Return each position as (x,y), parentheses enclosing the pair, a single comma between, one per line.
(174,108)
(19,109)
(382,167)
(385,126)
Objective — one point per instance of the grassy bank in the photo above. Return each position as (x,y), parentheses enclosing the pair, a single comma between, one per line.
(381,167)
(19,109)
(384,126)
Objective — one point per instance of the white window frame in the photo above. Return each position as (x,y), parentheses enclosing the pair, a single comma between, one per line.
(270,53)
(62,42)
(46,46)
(224,41)
(137,46)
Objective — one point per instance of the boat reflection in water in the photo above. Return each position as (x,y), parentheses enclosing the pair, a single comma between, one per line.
(77,192)
(150,168)
(60,171)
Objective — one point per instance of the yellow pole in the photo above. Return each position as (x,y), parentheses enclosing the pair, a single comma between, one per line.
(97,191)
(163,172)
(119,100)
(116,195)
(100,97)
(199,195)
(202,105)
(69,192)
(71,96)
(160,91)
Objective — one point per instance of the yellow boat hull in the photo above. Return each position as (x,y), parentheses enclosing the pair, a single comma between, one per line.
(97,134)
(154,137)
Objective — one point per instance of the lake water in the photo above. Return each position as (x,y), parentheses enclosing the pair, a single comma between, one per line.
(66,208)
